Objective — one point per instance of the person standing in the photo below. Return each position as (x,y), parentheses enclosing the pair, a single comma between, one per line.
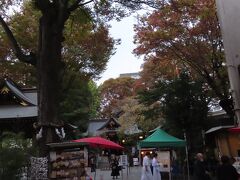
(115,168)
(226,171)
(146,171)
(93,163)
(150,162)
(156,168)
(199,169)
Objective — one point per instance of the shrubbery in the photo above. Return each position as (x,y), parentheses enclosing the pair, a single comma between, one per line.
(14,153)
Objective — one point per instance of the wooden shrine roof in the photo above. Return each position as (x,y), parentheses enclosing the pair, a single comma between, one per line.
(17,102)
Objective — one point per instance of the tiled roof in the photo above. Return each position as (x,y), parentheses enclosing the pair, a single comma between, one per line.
(217,128)
(13,87)
(108,121)
(94,125)
(13,111)
(8,112)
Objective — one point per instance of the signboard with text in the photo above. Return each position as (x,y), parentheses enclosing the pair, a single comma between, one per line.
(123,160)
(164,160)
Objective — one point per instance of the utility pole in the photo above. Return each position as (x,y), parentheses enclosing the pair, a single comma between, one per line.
(229,17)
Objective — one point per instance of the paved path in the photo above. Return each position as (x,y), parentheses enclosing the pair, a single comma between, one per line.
(134,173)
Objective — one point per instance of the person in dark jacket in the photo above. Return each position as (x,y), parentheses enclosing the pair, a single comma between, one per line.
(226,171)
(199,169)
(93,163)
(115,168)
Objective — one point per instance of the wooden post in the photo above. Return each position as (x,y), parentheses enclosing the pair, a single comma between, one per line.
(187,161)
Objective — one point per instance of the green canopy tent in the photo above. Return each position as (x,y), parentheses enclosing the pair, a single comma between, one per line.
(161,139)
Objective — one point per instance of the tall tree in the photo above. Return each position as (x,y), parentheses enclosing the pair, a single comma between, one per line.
(183,103)
(112,92)
(133,114)
(95,101)
(186,33)
(80,54)
(79,101)
(154,70)
(48,56)
(22,74)
(82,43)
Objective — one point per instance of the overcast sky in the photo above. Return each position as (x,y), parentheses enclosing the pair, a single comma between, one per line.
(123,61)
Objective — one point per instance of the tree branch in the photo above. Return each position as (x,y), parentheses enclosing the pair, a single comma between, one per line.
(77,4)
(63,12)
(202,71)
(31,58)
(42,5)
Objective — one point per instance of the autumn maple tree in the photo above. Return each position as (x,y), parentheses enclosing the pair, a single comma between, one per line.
(82,43)
(112,92)
(48,56)
(184,34)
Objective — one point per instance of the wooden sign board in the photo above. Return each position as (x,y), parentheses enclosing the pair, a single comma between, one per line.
(164,160)
(66,161)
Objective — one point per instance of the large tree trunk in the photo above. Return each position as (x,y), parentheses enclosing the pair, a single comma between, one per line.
(49,68)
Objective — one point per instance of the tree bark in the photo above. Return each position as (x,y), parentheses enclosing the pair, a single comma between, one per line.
(49,67)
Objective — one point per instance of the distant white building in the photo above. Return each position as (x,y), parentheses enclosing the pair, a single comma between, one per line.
(135,75)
